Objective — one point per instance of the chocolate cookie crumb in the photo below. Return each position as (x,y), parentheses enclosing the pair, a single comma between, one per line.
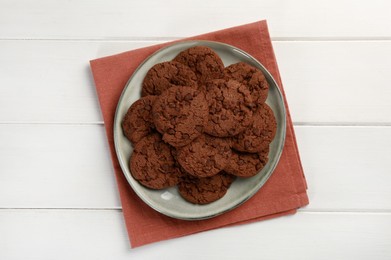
(152,164)
(180,114)
(138,122)
(205,156)
(246,164)
(203,61)
(259,134)
(165,75)
(252,78)
(230,106)
(205,190)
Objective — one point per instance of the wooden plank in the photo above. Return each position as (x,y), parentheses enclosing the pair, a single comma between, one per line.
(347,168)
(337,82)
(85,234)
(49,81)
(56,166)
(45,19)
(68,166)
(326,82)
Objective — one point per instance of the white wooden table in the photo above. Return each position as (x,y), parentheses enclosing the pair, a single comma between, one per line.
(58,196)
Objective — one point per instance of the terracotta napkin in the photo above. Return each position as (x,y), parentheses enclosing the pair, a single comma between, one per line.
(284,192)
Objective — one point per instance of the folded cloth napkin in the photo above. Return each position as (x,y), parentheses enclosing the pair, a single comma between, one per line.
(283,193)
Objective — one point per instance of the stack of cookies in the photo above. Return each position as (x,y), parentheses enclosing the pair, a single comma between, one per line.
(199,125)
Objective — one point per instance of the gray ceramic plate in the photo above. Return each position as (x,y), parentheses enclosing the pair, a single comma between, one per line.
(168,201)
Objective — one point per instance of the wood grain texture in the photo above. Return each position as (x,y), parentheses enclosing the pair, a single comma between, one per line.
(56,166)
(337,82)
(58,196)
(325,82)
(347,168)
(45,19)
(96,234)
(68,166)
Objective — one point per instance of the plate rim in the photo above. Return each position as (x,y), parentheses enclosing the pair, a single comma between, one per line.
(116,138)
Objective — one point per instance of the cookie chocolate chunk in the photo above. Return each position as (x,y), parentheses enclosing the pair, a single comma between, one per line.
(246,164)
(203,61)
(259,134)
(180,114)
(152,164)
(205,190)
(164,75)
(230,106)
(250,77)
(205,156)
(138,122)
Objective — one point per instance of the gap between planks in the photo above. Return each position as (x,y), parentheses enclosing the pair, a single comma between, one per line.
(309,124)
(302,210)
(165,39)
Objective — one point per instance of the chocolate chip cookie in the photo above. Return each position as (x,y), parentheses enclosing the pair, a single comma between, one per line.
(230,105)
(246,164)
(152,164)
(199,125)
(138,122)
(180,114)
(203,61)
(205,156)
(205,190)
(164,75)
(259,134)
(251,77)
